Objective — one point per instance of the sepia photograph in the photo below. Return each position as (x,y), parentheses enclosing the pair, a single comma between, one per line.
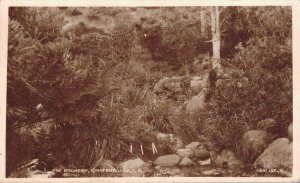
(136,91)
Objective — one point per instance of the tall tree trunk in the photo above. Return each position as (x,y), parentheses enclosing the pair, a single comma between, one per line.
(216,37)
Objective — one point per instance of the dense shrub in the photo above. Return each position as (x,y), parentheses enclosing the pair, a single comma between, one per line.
(42,72)
(260,80)
(96,45)
(81,28)
(236,29)
(122,41)
(240,23)
(76,12)
(173,38)
(43,24)
(62,73)
(260,86)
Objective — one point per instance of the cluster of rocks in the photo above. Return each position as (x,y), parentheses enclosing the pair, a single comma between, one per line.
(263,147)
(190,90)
(266,149)
(278,154)
(192,154)
(258,146)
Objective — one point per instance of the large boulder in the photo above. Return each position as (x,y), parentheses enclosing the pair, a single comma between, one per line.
(197,102)
(253,143)
(185,153)
(198,83)
(228,159)
(290,131)
(167,160)
(278,155)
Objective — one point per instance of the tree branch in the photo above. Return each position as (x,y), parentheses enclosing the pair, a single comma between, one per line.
(31,88)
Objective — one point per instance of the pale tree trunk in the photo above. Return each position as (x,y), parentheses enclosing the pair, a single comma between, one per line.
(216,37)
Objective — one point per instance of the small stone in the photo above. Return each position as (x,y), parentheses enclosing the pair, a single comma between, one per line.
(186,162)
(228,159)
(157,167)
(107,164)
(204,162)
(201,153)
(133,164)
(192,145)
(212,172)
(171,172)
(185,153)
(39,107)
(147,169)
(40,174)
(168,160)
